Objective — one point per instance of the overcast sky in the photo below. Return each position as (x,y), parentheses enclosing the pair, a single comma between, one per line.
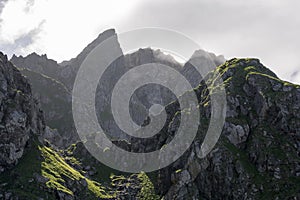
(266,29)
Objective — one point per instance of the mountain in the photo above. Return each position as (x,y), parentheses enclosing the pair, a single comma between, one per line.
(52,83)
(256,157)
(31,168)
(59,79)
(64,72)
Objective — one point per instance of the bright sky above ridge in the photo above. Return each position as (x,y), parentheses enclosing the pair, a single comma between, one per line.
(266,29)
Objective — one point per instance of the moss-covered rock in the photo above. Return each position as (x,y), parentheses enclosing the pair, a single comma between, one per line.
(257,156)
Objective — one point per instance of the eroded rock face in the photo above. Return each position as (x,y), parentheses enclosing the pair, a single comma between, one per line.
(55,101)
(20,116)
(52,85)
(257,155)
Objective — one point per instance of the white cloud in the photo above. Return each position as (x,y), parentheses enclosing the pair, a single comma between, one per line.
(69,25)
(265,29)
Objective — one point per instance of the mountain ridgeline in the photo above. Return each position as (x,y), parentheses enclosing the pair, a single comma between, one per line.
(256,157)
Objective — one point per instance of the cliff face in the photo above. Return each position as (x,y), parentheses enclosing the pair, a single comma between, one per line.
(52,85)
(33,169)
(20,116)
(55,102)
(257,156)
(59,79)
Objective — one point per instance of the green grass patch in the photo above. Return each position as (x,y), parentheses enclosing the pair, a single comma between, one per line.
(147,192)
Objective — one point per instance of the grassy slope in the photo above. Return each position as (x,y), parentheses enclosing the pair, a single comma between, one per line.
(60,176)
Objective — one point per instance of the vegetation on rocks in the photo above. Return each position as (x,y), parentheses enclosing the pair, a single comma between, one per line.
(256,157)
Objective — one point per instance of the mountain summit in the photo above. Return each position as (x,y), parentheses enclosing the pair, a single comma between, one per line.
(256,157)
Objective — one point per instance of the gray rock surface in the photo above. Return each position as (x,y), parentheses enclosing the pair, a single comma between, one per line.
(257,156)
(20,116)
(59,78)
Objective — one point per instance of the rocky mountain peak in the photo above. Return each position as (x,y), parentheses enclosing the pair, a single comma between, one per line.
(200,56)
(149,55)
(34,57)
(259,145)
(101,37)
(38,63)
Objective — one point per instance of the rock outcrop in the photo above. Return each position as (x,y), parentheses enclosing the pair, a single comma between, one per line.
(20,116)
(257,156)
